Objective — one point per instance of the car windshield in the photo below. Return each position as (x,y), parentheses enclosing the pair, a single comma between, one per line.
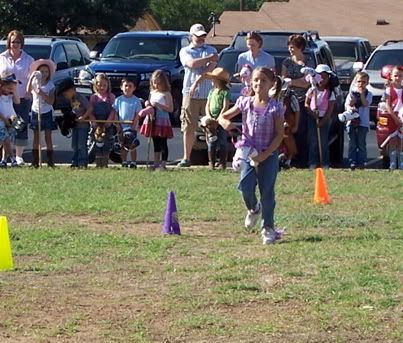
(270,42)
(228,61)
(36,51)
(344,50)
(384,57)
(158,48)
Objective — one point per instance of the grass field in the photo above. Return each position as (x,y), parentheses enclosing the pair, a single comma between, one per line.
(91,264)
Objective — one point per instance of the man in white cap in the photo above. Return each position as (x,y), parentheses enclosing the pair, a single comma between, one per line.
(197,59)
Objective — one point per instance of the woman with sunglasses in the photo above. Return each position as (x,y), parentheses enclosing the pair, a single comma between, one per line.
(16,61)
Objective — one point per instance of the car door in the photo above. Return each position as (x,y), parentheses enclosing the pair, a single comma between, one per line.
(74,58)
(60,58)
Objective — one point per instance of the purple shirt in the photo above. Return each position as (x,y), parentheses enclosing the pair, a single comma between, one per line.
(258,124)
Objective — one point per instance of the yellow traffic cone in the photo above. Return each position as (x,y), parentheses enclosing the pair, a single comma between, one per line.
(6,259)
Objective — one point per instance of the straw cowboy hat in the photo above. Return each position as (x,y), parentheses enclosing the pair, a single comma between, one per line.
(36,64)
(218,73)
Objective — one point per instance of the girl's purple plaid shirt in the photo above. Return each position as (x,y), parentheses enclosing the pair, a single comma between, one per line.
(258,126)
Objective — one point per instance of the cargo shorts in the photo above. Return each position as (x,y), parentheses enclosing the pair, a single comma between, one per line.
(191,111)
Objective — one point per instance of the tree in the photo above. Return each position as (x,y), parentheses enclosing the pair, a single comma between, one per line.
(67,17)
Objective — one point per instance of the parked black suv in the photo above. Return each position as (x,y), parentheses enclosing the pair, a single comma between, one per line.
(275,43)
(137,54)
(346,51)
(70,55)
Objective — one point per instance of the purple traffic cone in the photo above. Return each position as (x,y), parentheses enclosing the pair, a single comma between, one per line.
(171,224)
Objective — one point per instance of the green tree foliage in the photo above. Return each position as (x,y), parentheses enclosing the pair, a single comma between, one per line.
(180,15)
(68,17)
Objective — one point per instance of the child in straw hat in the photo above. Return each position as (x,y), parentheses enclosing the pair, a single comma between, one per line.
(217,103)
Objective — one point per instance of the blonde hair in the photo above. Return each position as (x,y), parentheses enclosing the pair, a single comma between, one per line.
(161,78)
(100,77)
(17,34)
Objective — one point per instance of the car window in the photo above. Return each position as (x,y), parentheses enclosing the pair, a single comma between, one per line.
(185,42)
(368,49)
(36,51)
(59,57)
(84,53)
(228,61)
(74,58)
(158,48)
(270,42)
(381,58)
(344,50)
(326,57)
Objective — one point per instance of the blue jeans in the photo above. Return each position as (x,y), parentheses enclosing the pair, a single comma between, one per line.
(221,142)
(79,145)
(357,145)
(314,158)
(265,177)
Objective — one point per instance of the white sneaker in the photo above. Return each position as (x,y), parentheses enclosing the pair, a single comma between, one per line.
(269,236)
(252,216)
(20,160)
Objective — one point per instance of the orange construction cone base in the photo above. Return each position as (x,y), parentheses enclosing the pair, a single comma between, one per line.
(321,196)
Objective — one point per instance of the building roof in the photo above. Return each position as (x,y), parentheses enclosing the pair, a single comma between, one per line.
(329,17)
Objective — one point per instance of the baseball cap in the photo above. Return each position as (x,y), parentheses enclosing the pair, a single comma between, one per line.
(198,30)
(7,76)
(320,68)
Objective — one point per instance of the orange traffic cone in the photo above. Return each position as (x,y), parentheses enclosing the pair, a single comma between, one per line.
(321,196)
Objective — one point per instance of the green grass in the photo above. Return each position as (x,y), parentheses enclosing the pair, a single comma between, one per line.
(91,263)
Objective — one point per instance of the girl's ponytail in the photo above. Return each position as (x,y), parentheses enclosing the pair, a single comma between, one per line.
(278,84)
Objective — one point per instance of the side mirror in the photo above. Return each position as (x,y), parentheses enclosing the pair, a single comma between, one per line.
(358,66)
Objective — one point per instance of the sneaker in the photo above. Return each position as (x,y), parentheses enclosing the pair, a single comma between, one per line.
(392,165)
(353,166)
(132,165)
(20,160)
(162,168)
(269,236)
(252,216)
(279,233)
(14,164)
(184,163)
(125,164)
(3,164)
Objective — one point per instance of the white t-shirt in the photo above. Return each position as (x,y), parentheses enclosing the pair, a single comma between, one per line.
(6,108)
(157,98)
(38,100)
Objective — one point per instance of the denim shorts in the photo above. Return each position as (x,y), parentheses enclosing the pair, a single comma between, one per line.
(47,122)
(6,133)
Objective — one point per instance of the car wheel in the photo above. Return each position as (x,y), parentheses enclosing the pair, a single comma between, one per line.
(115,157)
(336,147)
(177,101)
(199,157)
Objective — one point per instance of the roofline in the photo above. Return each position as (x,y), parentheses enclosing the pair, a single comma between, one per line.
(344,38)
(156,33)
